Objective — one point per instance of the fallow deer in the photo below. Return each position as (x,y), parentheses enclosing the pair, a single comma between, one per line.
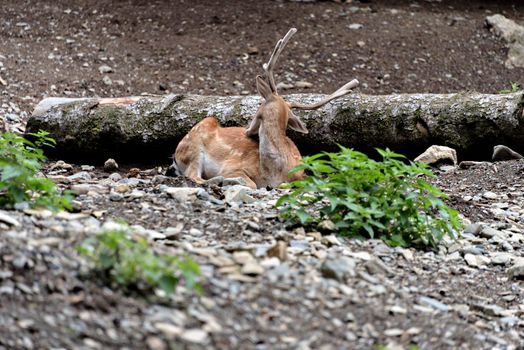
(209,150)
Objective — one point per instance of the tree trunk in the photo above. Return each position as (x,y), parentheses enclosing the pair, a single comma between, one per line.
(148,128)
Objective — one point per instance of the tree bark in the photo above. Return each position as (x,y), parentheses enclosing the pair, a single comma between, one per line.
(148,128)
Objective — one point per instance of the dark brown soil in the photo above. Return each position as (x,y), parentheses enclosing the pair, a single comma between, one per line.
(217,47)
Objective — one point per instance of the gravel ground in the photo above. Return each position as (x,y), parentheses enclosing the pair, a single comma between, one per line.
(266,286)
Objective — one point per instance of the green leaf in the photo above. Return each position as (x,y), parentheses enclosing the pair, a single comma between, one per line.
(303,215)
(389,199)
(168,283)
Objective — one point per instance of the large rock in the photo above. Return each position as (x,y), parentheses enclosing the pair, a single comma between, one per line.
(438,154)
(513,34)
(501,152)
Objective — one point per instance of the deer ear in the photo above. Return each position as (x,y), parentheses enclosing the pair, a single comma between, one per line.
(252,129)
(263,88)
(295,123)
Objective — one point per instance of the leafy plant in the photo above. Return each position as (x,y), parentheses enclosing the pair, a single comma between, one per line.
(132,264)
(389,199)
(515,87)
(20,162)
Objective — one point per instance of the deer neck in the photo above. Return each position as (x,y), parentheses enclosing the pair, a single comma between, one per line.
(273,149)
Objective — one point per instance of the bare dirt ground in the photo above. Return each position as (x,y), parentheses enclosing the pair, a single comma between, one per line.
(459,297)
(216,47)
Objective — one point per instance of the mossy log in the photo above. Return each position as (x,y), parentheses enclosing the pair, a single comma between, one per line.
(148,128)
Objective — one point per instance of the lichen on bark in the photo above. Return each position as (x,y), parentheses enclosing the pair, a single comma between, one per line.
(150,127)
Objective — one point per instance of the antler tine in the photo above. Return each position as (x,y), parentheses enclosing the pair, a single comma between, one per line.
(268,67)
(344,90)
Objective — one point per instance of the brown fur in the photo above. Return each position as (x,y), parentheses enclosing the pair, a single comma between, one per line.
(235,154)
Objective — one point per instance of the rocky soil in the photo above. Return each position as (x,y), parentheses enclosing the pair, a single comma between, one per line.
(266,285)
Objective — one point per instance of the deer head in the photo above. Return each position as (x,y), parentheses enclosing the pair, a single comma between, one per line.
(209,150)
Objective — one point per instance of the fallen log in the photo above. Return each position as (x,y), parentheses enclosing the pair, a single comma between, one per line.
(148,128)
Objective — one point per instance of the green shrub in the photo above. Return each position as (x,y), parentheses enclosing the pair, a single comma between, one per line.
(515,87)
(365,198)
(20,162)
(132,264)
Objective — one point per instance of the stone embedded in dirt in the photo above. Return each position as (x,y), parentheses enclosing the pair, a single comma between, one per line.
(87,167)
(490,309)
(438,154)
(501,259)
(501,152)
(476,260)
(115,177)
(133,172)
(107,80)
(330,240)
(8,219)
(252,268)
(513,34)
(122,188)
(61,165)
(326,226)
(489,232)
(474,229)
(232,181)
(365,256)
(284,86)
(376,266)
(115,196)
(110,165)
(397,309)
(242,257)
(302,84)
(435,304)
(184,194)
(80,176)
(169,330)
(105,69)
(406,253)
(238,194)
(173,232)
(473,249)
(196,336)
(338,268)
(466,164)
(490,195)
(516,271)
(86,188)
(156,343)
(279,250)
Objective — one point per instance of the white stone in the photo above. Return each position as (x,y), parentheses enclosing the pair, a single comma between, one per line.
(513,34)
(252,268)
(197,336)
(169,330)
(183,194)
(490,195)
(238,194)
(436,154)
(8,219)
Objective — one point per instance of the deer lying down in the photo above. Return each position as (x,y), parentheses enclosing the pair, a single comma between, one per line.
(209,150)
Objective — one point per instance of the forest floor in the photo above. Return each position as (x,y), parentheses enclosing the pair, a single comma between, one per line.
(266,286)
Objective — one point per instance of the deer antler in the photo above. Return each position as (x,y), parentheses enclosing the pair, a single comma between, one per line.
(344,90)
(268,67)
